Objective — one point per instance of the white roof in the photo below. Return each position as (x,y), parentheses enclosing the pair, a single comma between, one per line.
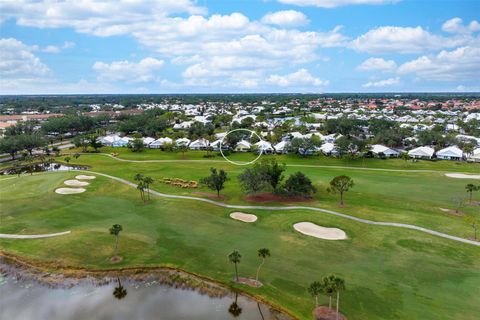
(161,141)
(281,145)
(422,151)
(378,148)
(264,145)
(452,151)
(200,142)
(182,141)
(148,140)
(327,147)
(243,143)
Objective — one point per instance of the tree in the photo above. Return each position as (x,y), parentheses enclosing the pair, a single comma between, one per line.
(272,170)
(315,289)
(147,182)
(31,142)
(182,148)
(56,150)
(339,284)
(298,184)
(263,253)
(329,288)
(10,145)
(474,222)
(341,184)
(94,143)
(405,156)
(141,187)
(137,145)
(216,180)
(115,230)
(81,142)
(234,258)
(76,155)
(119,292)
(252,180)
(470,189)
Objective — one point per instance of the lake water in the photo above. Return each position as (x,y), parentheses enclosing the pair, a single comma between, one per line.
(120,299)
(43,167)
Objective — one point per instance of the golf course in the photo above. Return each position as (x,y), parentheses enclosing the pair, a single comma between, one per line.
(390,272)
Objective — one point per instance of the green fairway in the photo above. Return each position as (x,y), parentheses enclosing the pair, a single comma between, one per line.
(391,273)
(382,195)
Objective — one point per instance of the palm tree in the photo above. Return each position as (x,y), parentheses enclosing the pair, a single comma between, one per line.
(67,160)
(115,230)
(339,286)
(119,292)
(234,258)
(470,188)
(263,253)
(148,181)
(141,188)
(234,308)
(329,288)
(315,289)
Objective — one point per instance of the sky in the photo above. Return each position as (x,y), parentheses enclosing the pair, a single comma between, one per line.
(239,46)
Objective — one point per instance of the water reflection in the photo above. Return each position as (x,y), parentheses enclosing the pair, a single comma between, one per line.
(119,292)
(234,308)
(22,300)
(41,167)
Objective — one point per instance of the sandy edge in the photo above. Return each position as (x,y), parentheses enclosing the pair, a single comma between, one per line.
(244,217)
(85,177)
(69,190)
(462,176)
(313,230)
(76,183)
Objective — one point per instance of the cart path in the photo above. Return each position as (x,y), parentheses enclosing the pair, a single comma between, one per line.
(335,213)
(32,236)
(290,165)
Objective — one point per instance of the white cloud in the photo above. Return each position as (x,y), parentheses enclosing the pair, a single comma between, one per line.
(143,71)
(93,16)
(390,39)
(377,64)
(382,83)
(456,25)
(286,18)
(459,64)
(334,3)
(18,62)
(299,78)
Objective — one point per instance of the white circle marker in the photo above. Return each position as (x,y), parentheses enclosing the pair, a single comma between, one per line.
(240,163)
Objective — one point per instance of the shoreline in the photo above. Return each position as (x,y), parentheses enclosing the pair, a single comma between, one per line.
(55,276)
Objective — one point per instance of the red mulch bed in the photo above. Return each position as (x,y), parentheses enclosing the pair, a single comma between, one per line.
(209,195)
(116,259)
(248,282)
(324,313)
(270,197)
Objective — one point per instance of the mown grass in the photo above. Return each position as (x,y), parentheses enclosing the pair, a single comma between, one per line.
(390,273)
(399,196)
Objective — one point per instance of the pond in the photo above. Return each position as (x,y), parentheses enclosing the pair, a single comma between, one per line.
(40,167)
(121,299)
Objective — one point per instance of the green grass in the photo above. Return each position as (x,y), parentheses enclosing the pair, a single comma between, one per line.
(407,197)
(390,273)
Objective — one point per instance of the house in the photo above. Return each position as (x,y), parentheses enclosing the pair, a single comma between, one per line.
(147,141)
(114,140)
(327,148)
(475,157)
(243,146)
(378,150)
(282,147)
(199,144)
(182,142)
(421,153)
(157,144)
(183,125)
(264,146)
(450,153)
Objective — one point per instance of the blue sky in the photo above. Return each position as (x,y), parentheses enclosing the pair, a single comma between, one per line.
(183,46)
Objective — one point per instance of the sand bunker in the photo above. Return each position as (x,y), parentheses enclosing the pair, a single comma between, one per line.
(84,177)
(69,190)
(245,217)
(76,183)
(462,176)
(311,229)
